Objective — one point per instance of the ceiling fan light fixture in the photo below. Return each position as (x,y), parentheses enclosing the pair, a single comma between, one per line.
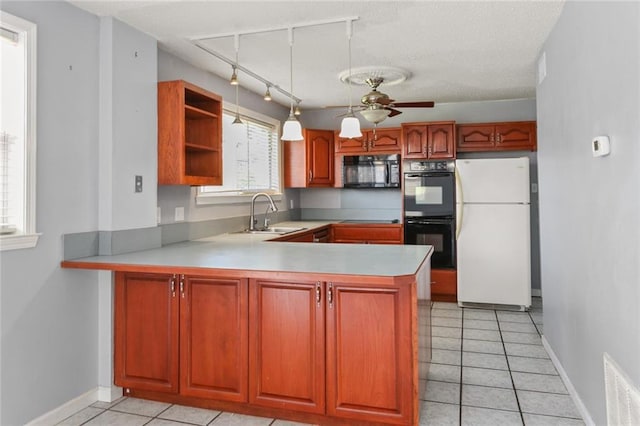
(375,115)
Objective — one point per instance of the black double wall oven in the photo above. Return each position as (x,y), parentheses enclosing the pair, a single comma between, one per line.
(430,208)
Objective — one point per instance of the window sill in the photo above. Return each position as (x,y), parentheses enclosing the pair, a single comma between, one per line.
(211,199)
(16,242)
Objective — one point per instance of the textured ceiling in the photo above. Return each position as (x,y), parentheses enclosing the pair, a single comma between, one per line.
(454,51)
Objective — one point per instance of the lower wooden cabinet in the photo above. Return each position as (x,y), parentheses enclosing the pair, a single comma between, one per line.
(337,352)
(444,285)
(287,357)
(348,342)
(182,334)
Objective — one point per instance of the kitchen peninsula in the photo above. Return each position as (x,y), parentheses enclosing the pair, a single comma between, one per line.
(320,333)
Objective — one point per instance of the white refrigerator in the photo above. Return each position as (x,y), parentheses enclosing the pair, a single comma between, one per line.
(493,232)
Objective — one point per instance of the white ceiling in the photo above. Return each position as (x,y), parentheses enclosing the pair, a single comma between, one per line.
(454,51)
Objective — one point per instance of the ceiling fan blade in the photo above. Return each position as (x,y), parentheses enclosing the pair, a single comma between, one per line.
(425,104)
(394,112)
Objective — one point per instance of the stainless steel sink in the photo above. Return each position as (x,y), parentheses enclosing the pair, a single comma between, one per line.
(272,230)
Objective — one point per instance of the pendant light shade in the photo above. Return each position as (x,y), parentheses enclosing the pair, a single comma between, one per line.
(350,127)
(291,130)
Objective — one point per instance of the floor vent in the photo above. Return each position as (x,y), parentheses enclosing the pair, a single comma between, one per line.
(623,398)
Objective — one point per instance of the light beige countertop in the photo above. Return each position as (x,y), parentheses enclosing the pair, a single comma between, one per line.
(251,252)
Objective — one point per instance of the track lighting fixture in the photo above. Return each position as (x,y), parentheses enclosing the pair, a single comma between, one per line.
(234,77)
(267,94)
(297,110)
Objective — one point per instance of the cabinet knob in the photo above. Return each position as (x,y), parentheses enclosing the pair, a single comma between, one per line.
(499,138)
(330,295)
(310,176)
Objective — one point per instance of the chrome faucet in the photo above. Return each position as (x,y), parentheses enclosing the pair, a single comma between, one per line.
(252,218)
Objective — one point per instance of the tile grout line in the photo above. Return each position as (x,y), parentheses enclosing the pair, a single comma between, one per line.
(509,367)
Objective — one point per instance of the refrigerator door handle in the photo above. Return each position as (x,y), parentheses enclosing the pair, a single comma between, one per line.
(459,205)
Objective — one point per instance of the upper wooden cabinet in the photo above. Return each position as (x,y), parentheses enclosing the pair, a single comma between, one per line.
(381,141)
(509,136)
(310,163)
(430,141)
(189,135)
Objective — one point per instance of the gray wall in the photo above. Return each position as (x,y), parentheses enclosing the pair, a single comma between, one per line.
(461,112)
(48,315)
(96,129)
(590,207)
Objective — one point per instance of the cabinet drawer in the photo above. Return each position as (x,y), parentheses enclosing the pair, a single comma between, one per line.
(367,233)
(444,285)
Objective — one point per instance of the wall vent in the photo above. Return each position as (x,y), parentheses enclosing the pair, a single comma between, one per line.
(623,398)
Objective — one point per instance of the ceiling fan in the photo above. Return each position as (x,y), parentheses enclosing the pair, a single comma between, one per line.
(376,106)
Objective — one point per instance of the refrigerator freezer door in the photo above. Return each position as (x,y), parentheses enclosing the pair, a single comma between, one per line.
(494,255)
(493,180)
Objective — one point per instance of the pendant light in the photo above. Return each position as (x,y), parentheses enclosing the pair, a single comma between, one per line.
(291,130)
(350,127)
(236,120)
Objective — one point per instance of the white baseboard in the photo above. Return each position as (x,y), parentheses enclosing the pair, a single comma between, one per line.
(586,417)
(65,410)
(536,292)
(109,394)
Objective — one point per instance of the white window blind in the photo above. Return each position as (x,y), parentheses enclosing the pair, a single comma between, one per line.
(251,157)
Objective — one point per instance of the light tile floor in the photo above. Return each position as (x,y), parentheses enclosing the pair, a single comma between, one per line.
(488,367)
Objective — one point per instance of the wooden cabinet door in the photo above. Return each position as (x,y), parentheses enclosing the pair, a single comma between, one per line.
(214,338)
(146,331)
(440,141)
(369,356)
(414,143)
(444,285)
(320,160)
(351,146)
(385,140)
(516,136)
(287,358)
(475,137)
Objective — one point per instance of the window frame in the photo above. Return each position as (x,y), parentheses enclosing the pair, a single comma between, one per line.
(29,237)
(244,197)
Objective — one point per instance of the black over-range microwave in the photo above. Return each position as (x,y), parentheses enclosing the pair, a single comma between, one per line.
(371,171)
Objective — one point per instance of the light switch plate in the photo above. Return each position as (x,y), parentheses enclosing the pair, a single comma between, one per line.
(138,183)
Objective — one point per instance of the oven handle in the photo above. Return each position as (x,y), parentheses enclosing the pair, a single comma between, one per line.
(428,221)
(459,205)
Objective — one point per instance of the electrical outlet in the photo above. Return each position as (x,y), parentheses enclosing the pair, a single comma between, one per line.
(179,214)
(291,204)
(138,183)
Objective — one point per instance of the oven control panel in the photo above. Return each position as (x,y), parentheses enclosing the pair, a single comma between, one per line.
(431,166)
